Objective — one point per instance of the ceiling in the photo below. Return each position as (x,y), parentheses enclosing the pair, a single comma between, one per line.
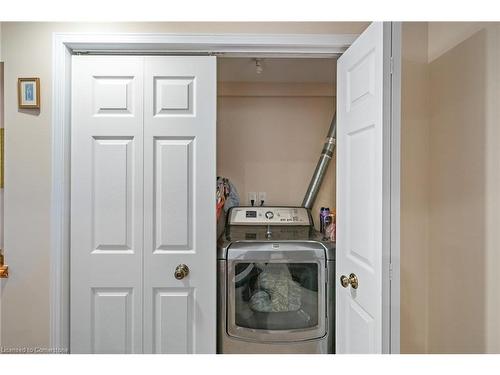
(293,70)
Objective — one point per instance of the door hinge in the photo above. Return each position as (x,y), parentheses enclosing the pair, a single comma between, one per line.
(391,65)
(390,271)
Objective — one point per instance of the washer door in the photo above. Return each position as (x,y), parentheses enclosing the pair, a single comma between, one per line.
(276,292)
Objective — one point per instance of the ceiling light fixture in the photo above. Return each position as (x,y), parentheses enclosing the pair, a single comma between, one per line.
(258,66)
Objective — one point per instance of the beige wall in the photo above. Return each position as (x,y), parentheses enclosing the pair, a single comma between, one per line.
(1,193)
(269,138)
(450,208)
(415,162)
(444,36)
(457,219)
(26,50)
(464,302)
(460,306)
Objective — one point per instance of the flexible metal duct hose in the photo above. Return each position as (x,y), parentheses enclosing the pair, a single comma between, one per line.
(322,166)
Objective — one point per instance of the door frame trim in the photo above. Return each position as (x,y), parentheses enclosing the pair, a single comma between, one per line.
(395,235)
(64,45)
(391,187)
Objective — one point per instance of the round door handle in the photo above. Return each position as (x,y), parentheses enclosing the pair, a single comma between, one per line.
(344,281)
(181,271)
(352,280)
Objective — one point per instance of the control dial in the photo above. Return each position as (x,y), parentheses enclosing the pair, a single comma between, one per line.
(269,215)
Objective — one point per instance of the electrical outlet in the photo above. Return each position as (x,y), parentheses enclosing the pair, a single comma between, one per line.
(252,196)
(262,197)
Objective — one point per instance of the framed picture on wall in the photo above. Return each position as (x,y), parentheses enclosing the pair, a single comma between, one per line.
(28,93)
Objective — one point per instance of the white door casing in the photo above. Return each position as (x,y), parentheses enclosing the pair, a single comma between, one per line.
(67,44)
(142,193)
(361,199)
(179,191)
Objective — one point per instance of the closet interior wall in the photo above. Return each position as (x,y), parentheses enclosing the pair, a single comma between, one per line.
(271,127)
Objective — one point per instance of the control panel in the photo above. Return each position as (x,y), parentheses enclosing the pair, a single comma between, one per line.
(269,216)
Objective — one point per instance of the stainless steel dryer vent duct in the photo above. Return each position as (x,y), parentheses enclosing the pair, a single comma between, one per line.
(322,166)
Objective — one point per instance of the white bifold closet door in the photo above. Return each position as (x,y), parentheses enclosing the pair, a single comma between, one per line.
(142,202)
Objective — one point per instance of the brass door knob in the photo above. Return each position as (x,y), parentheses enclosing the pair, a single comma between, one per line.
(4,269)
(4,272)
(344,281)
(181,271)
(352,280)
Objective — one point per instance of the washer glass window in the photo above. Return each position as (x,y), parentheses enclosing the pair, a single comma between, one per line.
(276,296)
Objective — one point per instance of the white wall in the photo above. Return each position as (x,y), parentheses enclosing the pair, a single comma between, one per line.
(26,49)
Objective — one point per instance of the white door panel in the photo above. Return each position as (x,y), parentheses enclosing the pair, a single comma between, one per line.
(106,205)
(173,193)
(174,327)
(360,200)
(179,175)
(112,320)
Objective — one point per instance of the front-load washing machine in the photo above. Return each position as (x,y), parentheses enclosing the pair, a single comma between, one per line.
(276,290)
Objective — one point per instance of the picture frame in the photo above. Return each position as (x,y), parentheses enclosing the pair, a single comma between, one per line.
(28,93)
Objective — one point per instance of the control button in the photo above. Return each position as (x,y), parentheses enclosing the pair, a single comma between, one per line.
(269,215)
